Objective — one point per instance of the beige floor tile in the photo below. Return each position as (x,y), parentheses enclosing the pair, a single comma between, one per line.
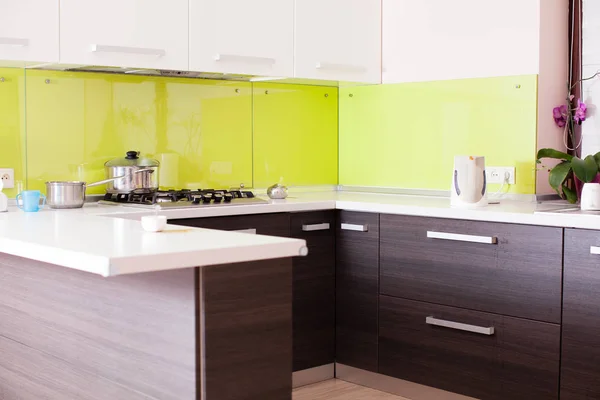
(339,390)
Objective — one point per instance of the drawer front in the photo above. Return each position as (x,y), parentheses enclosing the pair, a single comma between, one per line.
(357,276)
(477,354)
(580,365)
(314,290)
(261,224)
(501,268)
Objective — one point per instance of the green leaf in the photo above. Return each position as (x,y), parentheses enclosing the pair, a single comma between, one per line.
(597,158)
(586,169)
(551,153)
(558,174)
(570,194)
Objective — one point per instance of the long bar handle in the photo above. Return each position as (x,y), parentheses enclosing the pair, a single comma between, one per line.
(462,238)
(340,67)
(251,231)
(355,227)
(594,250)
(100,48)
(482,330)
(241,59)
(9,41)
(316,227)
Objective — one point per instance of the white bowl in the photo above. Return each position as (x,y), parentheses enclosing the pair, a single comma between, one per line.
(154,223)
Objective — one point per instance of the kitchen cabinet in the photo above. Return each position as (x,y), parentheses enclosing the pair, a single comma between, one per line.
(125,33)
(314,290)
(477,354)
(277,224)
(357,289)
(338,40)
(500,268)
(242,37)
(580,366)
(28,32)
(430,40)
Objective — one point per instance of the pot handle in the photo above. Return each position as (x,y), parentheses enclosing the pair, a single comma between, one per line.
(116,178)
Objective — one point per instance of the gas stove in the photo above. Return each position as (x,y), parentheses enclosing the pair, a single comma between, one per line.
(184,198)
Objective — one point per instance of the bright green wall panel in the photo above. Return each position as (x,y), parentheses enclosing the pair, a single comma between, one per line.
(200,130)
(12,123)
(295,135)
(406,135)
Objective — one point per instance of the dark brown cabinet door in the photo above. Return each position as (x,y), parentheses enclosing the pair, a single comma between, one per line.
(506,269)
(357,277)
(314,290)
(477,354)
(580,366)
(262,224)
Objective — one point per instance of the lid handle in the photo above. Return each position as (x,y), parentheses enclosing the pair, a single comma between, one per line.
(132,155)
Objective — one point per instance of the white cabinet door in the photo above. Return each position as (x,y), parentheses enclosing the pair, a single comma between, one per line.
(242,36)
(28,32)
(125,33)
(338,40)
(428,40)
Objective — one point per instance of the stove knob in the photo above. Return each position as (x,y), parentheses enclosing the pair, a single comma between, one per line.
(228,197)
(217,198)
(197,199)
(236,193)
(248,194)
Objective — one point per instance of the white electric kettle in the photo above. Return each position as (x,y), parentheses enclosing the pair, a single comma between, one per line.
(468,182)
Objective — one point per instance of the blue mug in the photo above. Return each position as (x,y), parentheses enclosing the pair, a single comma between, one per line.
(30,200)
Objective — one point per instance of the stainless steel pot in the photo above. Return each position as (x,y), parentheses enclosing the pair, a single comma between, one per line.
(141,174)
(71,194)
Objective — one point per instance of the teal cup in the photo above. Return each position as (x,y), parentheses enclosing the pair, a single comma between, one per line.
(29,200)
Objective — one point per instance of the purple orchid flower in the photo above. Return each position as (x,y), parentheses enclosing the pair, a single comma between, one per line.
(580,112)
(560,116)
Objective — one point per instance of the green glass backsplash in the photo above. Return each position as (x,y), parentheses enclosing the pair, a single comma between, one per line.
(406,135)
(205,133)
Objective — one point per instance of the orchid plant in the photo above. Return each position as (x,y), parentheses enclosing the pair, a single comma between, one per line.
(564,176)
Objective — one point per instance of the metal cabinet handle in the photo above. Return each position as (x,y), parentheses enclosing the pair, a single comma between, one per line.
(251,231)
(462,238)
(99,48)
(489,331)
(316,227)
(594,250)
(244,59)
(8,41)
(340,67)
(355,227)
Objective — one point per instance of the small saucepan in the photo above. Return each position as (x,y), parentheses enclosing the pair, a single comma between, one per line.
(71,194)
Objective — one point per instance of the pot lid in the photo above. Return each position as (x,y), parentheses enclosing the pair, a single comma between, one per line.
(132,159)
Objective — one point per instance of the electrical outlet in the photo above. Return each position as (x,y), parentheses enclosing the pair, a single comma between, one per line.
(499,174)
(8,177)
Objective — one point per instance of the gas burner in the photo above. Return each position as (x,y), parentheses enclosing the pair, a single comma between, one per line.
(184,198)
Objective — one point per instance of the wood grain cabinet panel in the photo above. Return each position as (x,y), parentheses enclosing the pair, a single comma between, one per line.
(580,367)
(265,224)
(518,275)
(314,290)
(519,360)
(357,287)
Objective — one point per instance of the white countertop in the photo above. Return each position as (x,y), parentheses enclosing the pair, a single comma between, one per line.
(109,240)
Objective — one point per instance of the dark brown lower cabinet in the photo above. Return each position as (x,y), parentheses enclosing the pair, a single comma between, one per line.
(483,355)
(357,289)
(314,290)
(277,224)
(580,366)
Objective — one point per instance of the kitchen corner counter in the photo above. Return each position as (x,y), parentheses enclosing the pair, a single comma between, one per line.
(115,246)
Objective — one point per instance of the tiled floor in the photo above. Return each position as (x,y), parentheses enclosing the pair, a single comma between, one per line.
(339,390)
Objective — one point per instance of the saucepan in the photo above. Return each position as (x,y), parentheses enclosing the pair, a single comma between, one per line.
(71,194)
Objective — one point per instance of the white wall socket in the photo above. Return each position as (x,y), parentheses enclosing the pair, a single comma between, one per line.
(8,177)
(497,174)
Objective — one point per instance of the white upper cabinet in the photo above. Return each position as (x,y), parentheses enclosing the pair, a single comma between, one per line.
(338,40)
(426,40)
(242,36)
(125,33)
(28,32)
